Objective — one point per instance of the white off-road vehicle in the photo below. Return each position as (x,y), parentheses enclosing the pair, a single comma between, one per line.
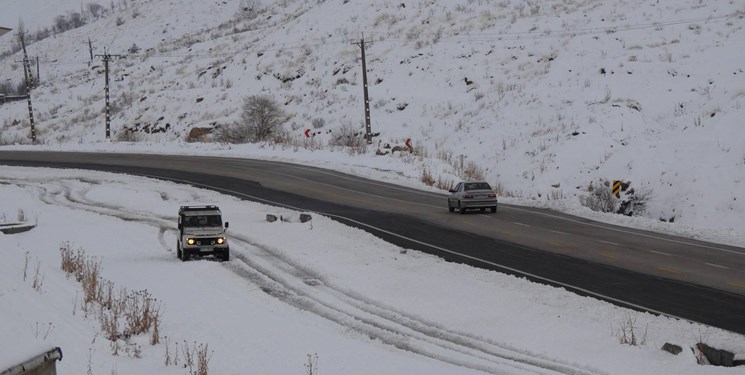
(201,233)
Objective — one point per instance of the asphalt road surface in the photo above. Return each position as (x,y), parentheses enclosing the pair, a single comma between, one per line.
(680,277)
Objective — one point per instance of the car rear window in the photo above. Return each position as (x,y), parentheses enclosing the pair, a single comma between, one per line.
(477,186)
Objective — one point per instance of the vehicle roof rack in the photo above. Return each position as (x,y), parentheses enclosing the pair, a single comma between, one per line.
(198,208)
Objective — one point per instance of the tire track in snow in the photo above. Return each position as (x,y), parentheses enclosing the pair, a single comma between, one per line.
(298,286)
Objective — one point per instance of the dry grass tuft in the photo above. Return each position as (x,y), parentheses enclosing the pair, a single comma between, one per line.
(121,314)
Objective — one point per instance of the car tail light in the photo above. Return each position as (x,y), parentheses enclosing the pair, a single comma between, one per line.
(492,195)
(469,196)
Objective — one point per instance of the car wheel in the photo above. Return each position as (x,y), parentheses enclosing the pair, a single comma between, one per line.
(178,250)
(184,255)
(461,209)
(450,208)
(482,209)
(494,209)
(225,256)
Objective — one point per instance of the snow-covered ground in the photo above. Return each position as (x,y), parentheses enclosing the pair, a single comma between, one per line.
(545,98)
(356,303)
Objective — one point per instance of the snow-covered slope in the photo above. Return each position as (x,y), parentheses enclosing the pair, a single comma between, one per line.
(536,94)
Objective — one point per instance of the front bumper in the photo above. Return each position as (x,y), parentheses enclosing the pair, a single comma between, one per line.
(206,250)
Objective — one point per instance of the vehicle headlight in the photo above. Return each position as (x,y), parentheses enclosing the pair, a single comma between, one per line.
(220,240)
(190,241)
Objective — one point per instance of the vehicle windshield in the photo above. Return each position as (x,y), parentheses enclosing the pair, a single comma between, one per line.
(203,221)
(477,186)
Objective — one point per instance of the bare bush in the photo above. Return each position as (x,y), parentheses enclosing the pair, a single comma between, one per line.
(196,358)
(471,171)
(249,9)
(96,10)
(627,332)
(635,202)
(261,120)
(311,366)
(25,266)
(426,177)
(318,123)
(128,135)
(347,136)
(43,330)
(120,314)
(38,278)
(601,199)
(444,184)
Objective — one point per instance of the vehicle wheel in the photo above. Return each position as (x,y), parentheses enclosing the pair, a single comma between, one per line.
(461,209)
(494,209)
(450,208)
(184,255)
(178,250)
(225,256)
(482,209)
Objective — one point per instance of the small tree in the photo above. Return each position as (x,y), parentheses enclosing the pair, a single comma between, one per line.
(261,119)
(249,9)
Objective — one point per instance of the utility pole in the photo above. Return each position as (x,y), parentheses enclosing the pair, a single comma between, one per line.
(368,131)
(28,79)
(106,58)
(26,60)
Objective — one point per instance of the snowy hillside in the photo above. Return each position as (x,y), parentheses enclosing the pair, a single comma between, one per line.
(542,97)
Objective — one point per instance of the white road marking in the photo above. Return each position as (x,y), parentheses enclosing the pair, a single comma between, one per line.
(521,224)
(717,266)
(660,253)
(558,232)
(610,243)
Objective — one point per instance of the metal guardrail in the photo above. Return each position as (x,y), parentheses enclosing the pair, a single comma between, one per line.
(42,364)
(16,228)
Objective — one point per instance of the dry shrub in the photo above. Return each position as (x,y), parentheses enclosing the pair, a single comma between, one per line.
(38,277)
(261,120)
(311,366)
(601,199)
(426,177)
(627,332)
(136,311)
(347,136)
(196,358)
(128,135)
(444,184)
(471,171)
(445,156)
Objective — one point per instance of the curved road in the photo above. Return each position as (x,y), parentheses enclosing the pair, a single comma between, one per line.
(648,271)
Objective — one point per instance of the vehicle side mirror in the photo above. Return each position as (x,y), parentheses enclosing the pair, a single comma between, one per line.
(227,225)
(452,190)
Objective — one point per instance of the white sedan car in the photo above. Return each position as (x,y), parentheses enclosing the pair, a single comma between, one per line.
(472,194)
